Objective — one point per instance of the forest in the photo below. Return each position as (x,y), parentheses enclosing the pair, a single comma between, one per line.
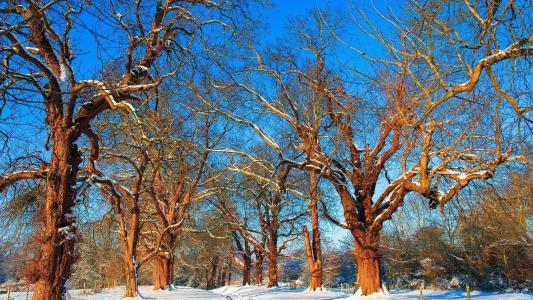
(190,148)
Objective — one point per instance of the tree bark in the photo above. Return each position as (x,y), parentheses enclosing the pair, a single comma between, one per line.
(230,269)
(246,271)
(245,252)
(130,238)
(131,278)
(368,270)
(314,262)
(163,272)
(221,277)
(272,268)
(52,266)
(312,247)
(258,264)
(211,273)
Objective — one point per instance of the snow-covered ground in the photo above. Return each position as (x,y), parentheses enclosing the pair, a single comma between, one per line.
(179,293)
(263,293)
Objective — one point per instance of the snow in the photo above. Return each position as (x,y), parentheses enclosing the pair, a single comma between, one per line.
(382,294)
(68,232)
(177,293)
(63,73)
(263,293)
(462,176)
(83,186)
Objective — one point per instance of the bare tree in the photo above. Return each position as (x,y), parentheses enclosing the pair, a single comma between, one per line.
(40,69)
(42,47)
(271,211)
(388,142)
(179,178)
(243,249)
(312,243)
(128,159)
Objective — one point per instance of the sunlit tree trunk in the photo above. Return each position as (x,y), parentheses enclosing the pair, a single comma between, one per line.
(313,261)
(272,262)
(52,266)
(163,271)
(129,248)
(130,275)
(312,246)
(368,264)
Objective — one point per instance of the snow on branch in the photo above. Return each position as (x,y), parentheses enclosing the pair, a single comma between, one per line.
(108,96)
(513,51)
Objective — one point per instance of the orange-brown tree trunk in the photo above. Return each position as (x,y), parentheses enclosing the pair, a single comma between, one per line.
(129,249)
(163,272)
(131,276)
(272,268)
(314,263)
(51,268)
(368,264)
(312,246)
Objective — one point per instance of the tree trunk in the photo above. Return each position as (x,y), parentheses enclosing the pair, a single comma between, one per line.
(314,263)
(211,273)
(230,269)
(312,247)
(131,276)
(246,271)
(130,238)
(51,268)
(163,272)
(221,277)
(258,275)
(272,269)
(368,271)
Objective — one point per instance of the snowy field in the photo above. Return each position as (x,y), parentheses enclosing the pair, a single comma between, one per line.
(252,293)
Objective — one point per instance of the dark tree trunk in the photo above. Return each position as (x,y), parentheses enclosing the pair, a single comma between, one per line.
(258,264)
(221,277)
(246,272)
(247,269)
(230,270)
(211,273)
(246,254)
(52,266)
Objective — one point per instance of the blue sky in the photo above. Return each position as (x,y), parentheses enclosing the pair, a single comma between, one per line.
(276,19)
